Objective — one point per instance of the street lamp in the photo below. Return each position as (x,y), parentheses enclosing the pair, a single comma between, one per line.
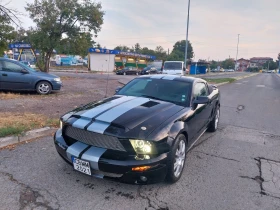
(237,52)
(187,36)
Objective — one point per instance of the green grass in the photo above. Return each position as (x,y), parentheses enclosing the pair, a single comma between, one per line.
(220,80)
(11,130)
(18,123)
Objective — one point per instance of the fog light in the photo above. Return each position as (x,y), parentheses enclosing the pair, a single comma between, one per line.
(143,178)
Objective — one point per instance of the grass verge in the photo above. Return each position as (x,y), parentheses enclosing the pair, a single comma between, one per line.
(220,80)
(17,123)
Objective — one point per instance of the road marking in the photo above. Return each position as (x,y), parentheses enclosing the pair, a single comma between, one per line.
(260,85)
(238,83)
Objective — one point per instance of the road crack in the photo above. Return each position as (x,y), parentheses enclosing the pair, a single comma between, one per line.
(32,197)
(217,156)
(151,204)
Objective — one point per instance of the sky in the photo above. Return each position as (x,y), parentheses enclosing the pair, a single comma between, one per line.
(213,30)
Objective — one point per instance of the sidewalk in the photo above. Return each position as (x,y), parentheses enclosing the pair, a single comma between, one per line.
(80,71)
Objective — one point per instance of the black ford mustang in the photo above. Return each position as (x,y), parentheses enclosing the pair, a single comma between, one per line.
(141,134)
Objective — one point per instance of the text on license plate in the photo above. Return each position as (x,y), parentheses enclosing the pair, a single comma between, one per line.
(81,165)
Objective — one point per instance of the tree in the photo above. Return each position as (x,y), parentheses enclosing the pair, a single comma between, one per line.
(56,18)
(137,48)
(228,64)
(8,15)
(272,65)
(7,32)
(214,64)
(77,45)
(122,48)
(178,52)
(160,53)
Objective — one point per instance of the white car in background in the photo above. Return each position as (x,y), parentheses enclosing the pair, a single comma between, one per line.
(174,68)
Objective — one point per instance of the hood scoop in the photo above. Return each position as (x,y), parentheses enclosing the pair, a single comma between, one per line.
(150,104)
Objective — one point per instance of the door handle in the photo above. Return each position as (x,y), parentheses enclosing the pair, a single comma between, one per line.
(4,75)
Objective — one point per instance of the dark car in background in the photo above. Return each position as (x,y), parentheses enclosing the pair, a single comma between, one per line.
(15,75)
(128,71)
(140,135)
(151,70)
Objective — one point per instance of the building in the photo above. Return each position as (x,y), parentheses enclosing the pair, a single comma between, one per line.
(257,62)
(242,64)
(106,60)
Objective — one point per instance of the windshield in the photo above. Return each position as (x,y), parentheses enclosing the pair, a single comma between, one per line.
(172,66)
(176,92)
(28,68)
(147,68)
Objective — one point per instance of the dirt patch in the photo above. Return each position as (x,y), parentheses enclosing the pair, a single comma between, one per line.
(8,95)
(75,92)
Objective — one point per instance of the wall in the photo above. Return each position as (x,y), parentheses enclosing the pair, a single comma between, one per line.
(102,62)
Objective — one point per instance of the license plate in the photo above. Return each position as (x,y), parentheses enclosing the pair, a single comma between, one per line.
(81,165)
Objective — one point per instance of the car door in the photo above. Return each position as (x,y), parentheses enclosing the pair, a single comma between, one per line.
(12,77)
(202,112)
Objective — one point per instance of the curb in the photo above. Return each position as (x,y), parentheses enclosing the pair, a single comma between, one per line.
(27,136)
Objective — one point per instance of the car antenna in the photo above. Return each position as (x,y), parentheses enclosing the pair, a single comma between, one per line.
(107,76)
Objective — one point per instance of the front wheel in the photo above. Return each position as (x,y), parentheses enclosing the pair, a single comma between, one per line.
(213,125)
(43,88)
(177,158)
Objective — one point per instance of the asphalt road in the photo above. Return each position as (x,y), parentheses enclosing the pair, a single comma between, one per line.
(112,76)
(235,168)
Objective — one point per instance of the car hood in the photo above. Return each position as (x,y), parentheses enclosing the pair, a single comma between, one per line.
(122,116)
(44,74)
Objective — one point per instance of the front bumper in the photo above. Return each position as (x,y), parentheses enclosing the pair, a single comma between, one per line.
(56,85)
(117,170)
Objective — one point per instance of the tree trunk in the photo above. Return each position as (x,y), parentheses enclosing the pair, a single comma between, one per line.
(47,62)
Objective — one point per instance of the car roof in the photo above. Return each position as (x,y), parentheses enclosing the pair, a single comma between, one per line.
(174,77)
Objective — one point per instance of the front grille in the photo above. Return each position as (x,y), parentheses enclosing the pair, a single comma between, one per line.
(91,138)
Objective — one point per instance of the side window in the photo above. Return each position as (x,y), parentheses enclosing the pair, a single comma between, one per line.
(10,67)
(0,65)
(200,89)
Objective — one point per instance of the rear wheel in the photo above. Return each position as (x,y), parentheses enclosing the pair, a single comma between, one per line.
(43,88)
(213,125)
(177,158)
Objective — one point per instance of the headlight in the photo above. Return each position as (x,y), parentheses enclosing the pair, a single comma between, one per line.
(143,147)
(57,79)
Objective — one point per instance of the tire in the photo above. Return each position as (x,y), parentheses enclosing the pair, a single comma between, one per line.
(43,88)
(213,125)
(124,73)
(177,155)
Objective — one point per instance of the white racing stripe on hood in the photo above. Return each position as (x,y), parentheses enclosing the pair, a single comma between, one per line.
(103,107)
(170,77)
(103,121)
(81,123)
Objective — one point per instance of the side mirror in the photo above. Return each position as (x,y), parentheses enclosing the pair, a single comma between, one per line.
(24,71)
(184,69)
(201,100)
(118,89)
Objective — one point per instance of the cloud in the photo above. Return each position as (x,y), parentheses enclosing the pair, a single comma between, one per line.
(214,25)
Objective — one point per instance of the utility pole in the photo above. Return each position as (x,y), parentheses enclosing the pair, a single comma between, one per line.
(187,37)
(237,52)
